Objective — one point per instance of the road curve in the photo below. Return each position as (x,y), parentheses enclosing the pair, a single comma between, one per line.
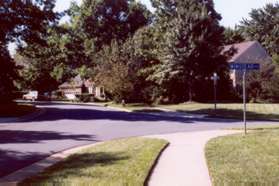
(65,126)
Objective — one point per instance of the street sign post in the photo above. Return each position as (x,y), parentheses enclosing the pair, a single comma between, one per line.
(244,102)
(244,67)
(215,79)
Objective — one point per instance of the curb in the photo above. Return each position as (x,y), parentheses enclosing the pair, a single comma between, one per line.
(119,109)
(174,113)
(37,113)
(14,178)
(59,102)
(151,170)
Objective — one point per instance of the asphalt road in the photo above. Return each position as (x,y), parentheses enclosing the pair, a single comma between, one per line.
(66,126)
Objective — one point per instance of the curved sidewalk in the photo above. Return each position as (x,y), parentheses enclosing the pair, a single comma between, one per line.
(183,163)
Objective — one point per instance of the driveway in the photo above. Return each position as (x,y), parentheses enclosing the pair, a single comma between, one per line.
(67,126)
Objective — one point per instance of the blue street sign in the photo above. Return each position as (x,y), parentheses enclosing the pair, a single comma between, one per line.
(244,66)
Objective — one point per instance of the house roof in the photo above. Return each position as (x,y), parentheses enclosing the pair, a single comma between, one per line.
(77,82)
(241,48)
(89,83)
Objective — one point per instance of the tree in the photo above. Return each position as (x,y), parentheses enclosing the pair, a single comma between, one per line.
(106,20)
(141,52)
(7,75)
(264,85)
(47,64)
(191,50)
(21,21)
(233,36)
(123,69)
(106,27)
(113,73)
(263,26)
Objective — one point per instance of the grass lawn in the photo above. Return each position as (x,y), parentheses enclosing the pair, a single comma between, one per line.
(136,107)
(15,110)
(229,110)
(116,163)
(245,160)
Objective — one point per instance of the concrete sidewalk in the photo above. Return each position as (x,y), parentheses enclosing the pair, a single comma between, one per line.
(183,163)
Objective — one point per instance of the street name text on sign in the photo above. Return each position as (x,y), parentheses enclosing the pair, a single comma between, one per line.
(244,66)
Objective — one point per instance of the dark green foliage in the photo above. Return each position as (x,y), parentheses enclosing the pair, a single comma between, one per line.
(7,75)
(264,85)
(20,21)
(86,98)
(46,65)
(113,73)
(233,36)
(106,26)
(263,26)
(106,20)
(168,56)
(141,49)
(191,49)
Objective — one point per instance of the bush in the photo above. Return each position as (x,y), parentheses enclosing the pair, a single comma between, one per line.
(86,98)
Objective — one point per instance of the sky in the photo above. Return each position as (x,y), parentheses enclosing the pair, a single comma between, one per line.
(232,11)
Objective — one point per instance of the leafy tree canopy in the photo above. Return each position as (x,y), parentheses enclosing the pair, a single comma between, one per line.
(21,21)
(263,26)
(233,36)
(191,49)
(105,20)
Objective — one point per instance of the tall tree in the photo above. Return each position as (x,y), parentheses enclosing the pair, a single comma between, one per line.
(263,26)
(20,21)
(191,49)
(48,64)
(106,20)
(113,72)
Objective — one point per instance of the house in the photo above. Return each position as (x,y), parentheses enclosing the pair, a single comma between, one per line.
(246,52)
(77,86)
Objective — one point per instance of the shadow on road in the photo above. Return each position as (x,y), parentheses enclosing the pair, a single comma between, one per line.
(20,136)
(89,113)
(13,160)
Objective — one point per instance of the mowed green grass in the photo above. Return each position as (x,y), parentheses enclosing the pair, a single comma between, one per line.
(16,110)
(230,110)
(115,163)
(245,160)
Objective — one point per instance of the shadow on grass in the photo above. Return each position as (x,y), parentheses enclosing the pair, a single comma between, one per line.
(233,114)
(74,166)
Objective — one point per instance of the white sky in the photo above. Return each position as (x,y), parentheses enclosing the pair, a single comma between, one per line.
(233,11)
